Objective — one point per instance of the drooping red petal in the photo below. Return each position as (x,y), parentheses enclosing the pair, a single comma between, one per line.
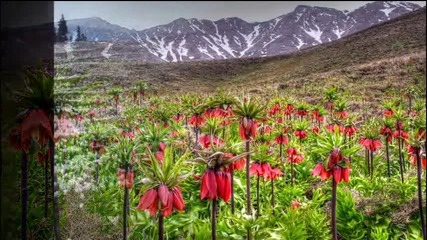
(325,175)
(121,175)
(253,129)
(159,156)
(255,169)
(266,170)
(204,140)
(163,194)
(36,123)
(376,144)
(318,169)
(168,208)
(337,174)
(212,186)
(346,174)
(162,146)
(242,132)
(204,186)
(130,179)
(227,187)
(220,183)
(424,162)
(178,200)
(148,199)
(275,173)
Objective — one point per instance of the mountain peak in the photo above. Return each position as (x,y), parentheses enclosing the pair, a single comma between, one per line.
(302,8)
(232,37)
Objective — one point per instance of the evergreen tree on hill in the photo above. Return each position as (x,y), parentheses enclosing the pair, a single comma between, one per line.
(62,30)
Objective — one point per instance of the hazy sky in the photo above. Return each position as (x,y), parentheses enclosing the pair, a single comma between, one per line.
(141,15)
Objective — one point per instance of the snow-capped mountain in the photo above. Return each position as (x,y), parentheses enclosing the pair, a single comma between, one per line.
(200,39)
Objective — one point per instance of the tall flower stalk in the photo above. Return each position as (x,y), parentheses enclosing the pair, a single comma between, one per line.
(370,140)
(260,168)
(115,92)
(124,152)
(216,181)
(142,87)
(387,132)
(330,95)
(335,154)
(400,135)
(248,112)
(160,187)
(416,141)
(99,140)
(36,129)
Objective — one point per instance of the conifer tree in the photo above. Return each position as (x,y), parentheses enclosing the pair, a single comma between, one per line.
(79,35)
(62,30)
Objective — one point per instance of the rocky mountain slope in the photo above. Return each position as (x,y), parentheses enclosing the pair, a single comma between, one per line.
(368,64)
(200,39)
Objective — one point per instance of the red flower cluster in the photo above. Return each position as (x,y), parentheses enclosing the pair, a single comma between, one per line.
(264,170)
(413,157)
(178,118)
(371,144)
(92,113)
(289,109)
(205,140)
(215,184)
(236,165)
(387,132)
(293,156)
(341,114)
(315,129)
(388,113)
(400,134)
(247,128)
(302,112)
(314,114)
(295,204)
(36,126)
(160,154)
(196,120)
(350,131)
(281,139)
(339,173)
(169,199)
(274,110)
(301,134)
(214,113)
(130,135)
(227,113)
(267,129)
(331,128)
(128,179)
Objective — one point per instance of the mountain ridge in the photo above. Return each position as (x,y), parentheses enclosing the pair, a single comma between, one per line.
(232,37)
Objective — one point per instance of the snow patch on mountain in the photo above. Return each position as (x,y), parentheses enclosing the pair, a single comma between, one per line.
(105,51)
(387,11)
(249,39)
(315,33)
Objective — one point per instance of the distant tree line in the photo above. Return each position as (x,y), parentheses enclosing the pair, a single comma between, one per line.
(61,35)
